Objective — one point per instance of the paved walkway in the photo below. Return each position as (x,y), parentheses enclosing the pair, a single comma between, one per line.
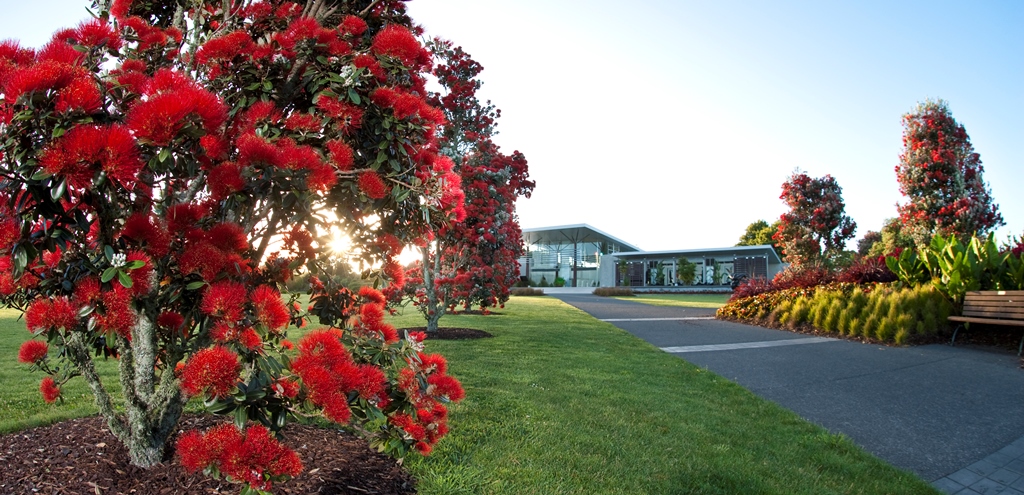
(952,415)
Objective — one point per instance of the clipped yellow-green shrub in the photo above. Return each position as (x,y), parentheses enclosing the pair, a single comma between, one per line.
(882,312)
(613,291)
(831,323)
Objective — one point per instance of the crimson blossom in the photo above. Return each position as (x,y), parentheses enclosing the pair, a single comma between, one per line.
(166,167)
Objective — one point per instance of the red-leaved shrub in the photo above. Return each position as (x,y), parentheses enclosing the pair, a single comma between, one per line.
(803,276)
(867,270)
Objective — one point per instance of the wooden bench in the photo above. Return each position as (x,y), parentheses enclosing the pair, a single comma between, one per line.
(994,307)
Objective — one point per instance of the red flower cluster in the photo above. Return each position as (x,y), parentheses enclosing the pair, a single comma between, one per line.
(269,310)
(214,252)
(213,370)
(254,457)
(399,43)
(86,149)
(54,69)
(225,300)
(32,351)
(117,314)
(371,317)
(150,37)
(172,102)
(49,389)
(58,313)
(224,48)
(328,372)
(371,184)
(145,230)
(406,105)
(348,118)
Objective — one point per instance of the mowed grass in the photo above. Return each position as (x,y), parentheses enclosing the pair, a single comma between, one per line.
(681,299)
(558,402)
(21,404)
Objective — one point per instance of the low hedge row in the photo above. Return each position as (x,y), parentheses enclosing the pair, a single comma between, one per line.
(884,312)
(613,291)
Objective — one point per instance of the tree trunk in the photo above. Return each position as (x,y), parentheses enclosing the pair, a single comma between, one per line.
(434,309)
(151,411)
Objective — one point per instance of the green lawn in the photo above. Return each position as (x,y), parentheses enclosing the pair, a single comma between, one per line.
(685,300)
(558,402)
(21,404)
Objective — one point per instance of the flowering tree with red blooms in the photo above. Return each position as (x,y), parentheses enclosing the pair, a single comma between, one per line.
(473,262)
(940,174)
(816,227)
(167,166)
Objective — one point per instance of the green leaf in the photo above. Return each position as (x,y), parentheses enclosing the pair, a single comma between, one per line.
(241,416)
(195,285)
(125,279)
(86,310)
(57,192)
(353,96)
(41,175)
(108,274)
(20,259)
(164,155)
(134,265)
(108,251)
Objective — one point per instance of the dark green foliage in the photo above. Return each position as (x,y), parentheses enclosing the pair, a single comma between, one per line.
(526,291)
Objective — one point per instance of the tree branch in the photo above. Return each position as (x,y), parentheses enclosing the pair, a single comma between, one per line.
(79,355)
(368,8)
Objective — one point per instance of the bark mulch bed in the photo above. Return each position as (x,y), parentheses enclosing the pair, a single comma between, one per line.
(81,456)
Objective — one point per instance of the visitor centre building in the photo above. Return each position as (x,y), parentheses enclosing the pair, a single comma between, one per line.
(583,256)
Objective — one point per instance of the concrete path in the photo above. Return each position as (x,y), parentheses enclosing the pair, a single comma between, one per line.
(952,415)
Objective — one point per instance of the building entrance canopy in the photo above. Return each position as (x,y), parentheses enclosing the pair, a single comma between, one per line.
(567,254)
(574,234)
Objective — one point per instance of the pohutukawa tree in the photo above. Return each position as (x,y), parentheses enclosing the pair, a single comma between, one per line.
(473,262)
(816,226)
(940,174)
(167,166)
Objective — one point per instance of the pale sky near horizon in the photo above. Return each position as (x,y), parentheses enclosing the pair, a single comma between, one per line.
(673,124)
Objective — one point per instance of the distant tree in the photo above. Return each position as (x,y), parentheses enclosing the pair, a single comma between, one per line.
(940,174)
(474,261)
(760,233)
(816,227)
(865,244)
(894,238)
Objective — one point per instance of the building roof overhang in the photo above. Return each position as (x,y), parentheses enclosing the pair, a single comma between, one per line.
(572,234)
(734,251)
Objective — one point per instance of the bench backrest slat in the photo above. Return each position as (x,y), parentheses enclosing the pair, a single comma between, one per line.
(1003,305)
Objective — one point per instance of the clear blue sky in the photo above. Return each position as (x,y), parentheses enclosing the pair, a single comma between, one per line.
(672,124)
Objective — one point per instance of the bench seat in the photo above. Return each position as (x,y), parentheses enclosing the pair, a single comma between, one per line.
(992,307)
